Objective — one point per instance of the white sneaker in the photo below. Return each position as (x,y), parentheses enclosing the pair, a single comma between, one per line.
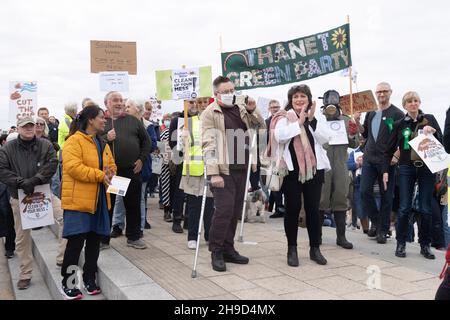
(192,244)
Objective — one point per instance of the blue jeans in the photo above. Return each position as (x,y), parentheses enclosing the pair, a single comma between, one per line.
(143,208)
(407,179)
(56,182)
(118,219)
(379,215)
(446,227)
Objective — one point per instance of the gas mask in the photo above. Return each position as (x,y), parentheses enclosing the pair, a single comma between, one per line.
(331,108)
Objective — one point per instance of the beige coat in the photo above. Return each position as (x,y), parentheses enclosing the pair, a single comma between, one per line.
(194,186)
(215,151)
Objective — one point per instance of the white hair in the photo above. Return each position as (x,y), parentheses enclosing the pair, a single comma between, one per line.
(71,108)
(138,104)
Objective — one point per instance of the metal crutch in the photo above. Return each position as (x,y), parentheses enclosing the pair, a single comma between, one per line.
(250,159)
(202,213)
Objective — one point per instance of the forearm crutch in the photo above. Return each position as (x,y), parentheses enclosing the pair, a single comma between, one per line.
(247,181)
(202,213)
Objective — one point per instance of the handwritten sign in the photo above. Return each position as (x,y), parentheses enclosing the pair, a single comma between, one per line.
(36,210)
(114,81)
(431,151)
(362,102)
(113,56)
(22,99)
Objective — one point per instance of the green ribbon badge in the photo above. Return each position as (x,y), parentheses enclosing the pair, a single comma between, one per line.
(390,123)
(406,134)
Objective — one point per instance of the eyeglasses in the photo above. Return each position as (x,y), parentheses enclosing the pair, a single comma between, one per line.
(39,124)
(383,92)
(226,91)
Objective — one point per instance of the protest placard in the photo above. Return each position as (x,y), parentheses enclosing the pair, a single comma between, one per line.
(119,186)
(339,131)
(287,62)
(431,151)
(36,209)
(362,102)
(181,84)
(22,99)
(113,56)
(114,81)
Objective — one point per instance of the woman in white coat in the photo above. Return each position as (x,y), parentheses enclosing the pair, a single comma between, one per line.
(297,138)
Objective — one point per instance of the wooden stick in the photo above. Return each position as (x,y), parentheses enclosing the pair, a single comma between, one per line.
(350,73)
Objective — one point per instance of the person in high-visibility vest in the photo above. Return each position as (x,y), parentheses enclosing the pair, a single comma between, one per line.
(192,181)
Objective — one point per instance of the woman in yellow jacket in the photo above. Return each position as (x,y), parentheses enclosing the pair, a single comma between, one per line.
(88,167)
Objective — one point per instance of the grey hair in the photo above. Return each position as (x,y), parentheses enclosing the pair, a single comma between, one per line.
(138,104)
(71,107)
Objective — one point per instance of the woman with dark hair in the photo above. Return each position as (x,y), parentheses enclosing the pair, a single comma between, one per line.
(296,140)
(88,167)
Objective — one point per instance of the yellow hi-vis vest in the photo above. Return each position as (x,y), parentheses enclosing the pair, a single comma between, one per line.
(195,153)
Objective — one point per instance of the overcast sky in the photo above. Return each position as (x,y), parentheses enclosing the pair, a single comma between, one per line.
(402,42)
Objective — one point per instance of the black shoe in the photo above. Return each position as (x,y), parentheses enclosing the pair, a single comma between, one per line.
(71,294)
(116,232)
(372,233)
(167,216)
(38,228)
(277,215)
(147,226)
(217,261)
(176,227)
(401,250)
(292,256)
(9,254)
(426,252)
(235,257)
(316,255)
(381,238)
(344,243)
(92,288)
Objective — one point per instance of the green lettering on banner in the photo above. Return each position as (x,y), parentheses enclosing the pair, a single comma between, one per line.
(291,61)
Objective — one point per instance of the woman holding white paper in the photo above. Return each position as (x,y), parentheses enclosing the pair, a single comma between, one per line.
(88,167)
(413,170)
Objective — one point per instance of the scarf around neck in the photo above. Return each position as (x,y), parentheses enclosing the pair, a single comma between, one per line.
(306,160)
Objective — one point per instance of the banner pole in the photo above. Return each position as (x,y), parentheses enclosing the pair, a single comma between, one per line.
(350,74)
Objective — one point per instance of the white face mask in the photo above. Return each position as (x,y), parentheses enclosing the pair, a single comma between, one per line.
(167,123)
(227,99)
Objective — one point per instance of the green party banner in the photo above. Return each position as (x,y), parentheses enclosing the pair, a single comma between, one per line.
(291,61)
(181,84)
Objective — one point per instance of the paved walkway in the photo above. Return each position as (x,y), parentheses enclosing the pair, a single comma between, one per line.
(169,262)
(6,290)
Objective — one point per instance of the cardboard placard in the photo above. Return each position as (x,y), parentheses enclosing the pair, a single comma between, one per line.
(119,186)
(431,151)
(114,81)
(362,102)
(36,210)
(113,56)
(22,100)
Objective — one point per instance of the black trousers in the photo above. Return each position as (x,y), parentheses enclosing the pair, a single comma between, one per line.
(311,190)
(132,202)
(10,240)
(443,292)
(275,198)
(228,204)
(177,195)
(72,255)
(193,208)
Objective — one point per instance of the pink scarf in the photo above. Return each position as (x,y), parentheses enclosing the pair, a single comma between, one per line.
(306,160)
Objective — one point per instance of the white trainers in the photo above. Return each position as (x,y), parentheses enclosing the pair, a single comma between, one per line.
(192,244)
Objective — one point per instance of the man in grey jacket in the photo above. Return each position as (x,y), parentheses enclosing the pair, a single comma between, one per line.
(25,163)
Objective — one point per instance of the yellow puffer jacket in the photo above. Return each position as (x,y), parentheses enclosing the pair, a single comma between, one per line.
(81,173)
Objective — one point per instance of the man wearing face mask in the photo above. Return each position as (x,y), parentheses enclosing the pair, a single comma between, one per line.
(226,153)
(335,187)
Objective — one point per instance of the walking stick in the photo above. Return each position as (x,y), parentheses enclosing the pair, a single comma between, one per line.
(202,213)
(247,181)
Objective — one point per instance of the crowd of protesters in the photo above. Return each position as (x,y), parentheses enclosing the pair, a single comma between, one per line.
(375,182)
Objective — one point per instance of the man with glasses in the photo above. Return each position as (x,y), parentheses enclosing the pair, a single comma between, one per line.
(377,130)
(226,154)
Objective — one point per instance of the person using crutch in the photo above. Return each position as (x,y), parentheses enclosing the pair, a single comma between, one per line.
(225,149)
